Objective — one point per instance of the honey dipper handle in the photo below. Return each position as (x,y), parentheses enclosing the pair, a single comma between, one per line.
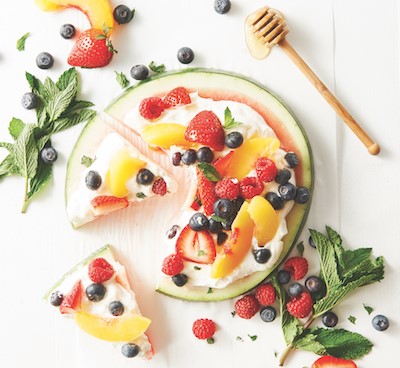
(373,148)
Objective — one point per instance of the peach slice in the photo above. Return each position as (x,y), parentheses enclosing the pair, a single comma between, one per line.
(237,246)
(116,329)
(165,135)
(265,218)
(244,157)
(98,12)
(122,167)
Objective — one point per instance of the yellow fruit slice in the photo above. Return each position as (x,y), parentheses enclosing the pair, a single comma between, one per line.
(117,329)
(237,246)
(165,135)
(122,167)
(245,157)
(265,218)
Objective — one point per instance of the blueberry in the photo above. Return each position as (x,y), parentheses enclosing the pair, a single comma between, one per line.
(171,233)
(49,155)
(93,180)
(283,176)
(122,14)
(311,242)
(198,222)
(292,159)
(283,277)
(56,298)
(176,158)
(234,140)
(44,60)
(29,101)
(224,208)
(67,31)
(287,191)
(329,319)
(185,55)
(95,292)
(274,200)
(221,238)
(214,226)
(189,157)
(380,322)
(116,308)
(268,314)
(139,72)
(295,289)
(130,350)
(262,255)
(204,154)
(302,195)
(144,177)
(222,6)
(180,279)
(314,284)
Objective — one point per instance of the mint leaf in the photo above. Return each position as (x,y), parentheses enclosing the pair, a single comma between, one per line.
(252,337)
(217,218)
(41,179)
(140,195)
(87,161)
(209,171)
(229,121)
(72,120)
(300,248)
(368,308)
(309,342)
(15,127)
(7,146)
(21,41)
(8,167)
(50,88)
(122,79)
(156,68)
(352,319)
(68,77)
(209,291)
(210,340)
(25,152)
(60,102)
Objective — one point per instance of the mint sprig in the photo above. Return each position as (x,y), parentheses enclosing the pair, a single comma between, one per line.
(122,79)
(21,41)
(209,171)
(229,121)
(158,69)
(57,110)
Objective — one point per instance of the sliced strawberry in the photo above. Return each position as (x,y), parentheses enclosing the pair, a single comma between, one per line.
(205,128)
(222,163)
(102,205)
(72,301)
(196,246)
(196,204)
(332,362)
(206,192)
(178,96)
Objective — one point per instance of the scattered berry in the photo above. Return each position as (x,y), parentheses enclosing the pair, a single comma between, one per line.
(144,177)
(223,208)
(122,14)
(380,322)
(151,108)
(287,191)
(172,265)
(295,289)
(171,233)
(302,195)
(297,266)
(95,292)
(180,279)
(265,294)
(29,101)
(204,328)
(283,176)
(93,180)
(268,314)
(49,155)
(178,96)
(247,306)
(159,187)
(222,6)
(262,255)
(99,270)
(198,222)
(56,298)
(234,140)
(250,187)
(204,154)
(116,308)
(266,169)
(214,226)
(292,159)
(189,157)
(328,361)
(330,319)
(67,31)
(185,55)
(275,201)
(300,306)
(44,60)
(227,188)
(139,72)
(314,284)
(130,350)
(283,277)
(176,158)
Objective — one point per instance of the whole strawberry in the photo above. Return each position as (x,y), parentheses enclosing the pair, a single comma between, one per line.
(93,49)
(203,328)
(247,306)
(300,306)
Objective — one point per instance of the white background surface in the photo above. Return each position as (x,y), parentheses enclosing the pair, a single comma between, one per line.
(352,45)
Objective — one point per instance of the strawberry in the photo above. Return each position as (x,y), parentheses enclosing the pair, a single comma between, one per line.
(205,128)
(222,163)
(72,301)
(151,108)
(297,266)
(206,191)
(247,306)
(301,306)
(196,246)
(93,49)
(227,188)
(266,169)
(103,205)
(100,270)
(172,265)
(332,362)
(265,294)
(159,187)
(178,96)
(250,187)
(196,204)
(203,328)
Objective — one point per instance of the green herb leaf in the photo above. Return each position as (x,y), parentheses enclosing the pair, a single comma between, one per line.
(300,248)
(352,319)
(309,342)
(252,337)
(87,161)
(157,68)
(60,102)
(201,253)
(21,41)
(368,308)
(140,195)
(209,291)
(229,121)
(209,171)
(72,120)
(26,152)
(7,146)
(15,128)
(8,167)
(197,268)
(41,179)
(217,218)
(122,79)
(210,340)
(66,78)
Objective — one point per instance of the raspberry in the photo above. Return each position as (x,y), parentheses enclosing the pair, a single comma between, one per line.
(247,306)
(297,266)
(151,108)
(301,306)
(265,294)
(100,270)
(203,328)
(266,169)
(227,188)
(172,265)
(178,96)
(250,187)
(160,187)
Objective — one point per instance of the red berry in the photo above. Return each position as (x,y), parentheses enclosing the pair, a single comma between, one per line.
(227,188)
(72,301)
(265,294)
(203,328)
(328,361)
(250,187)
(172,265)
(266,169)
(206,192)
(160,187)
(247,306)
(300,306)
(297,266)
(100,270)
(178,96)
(151,108)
